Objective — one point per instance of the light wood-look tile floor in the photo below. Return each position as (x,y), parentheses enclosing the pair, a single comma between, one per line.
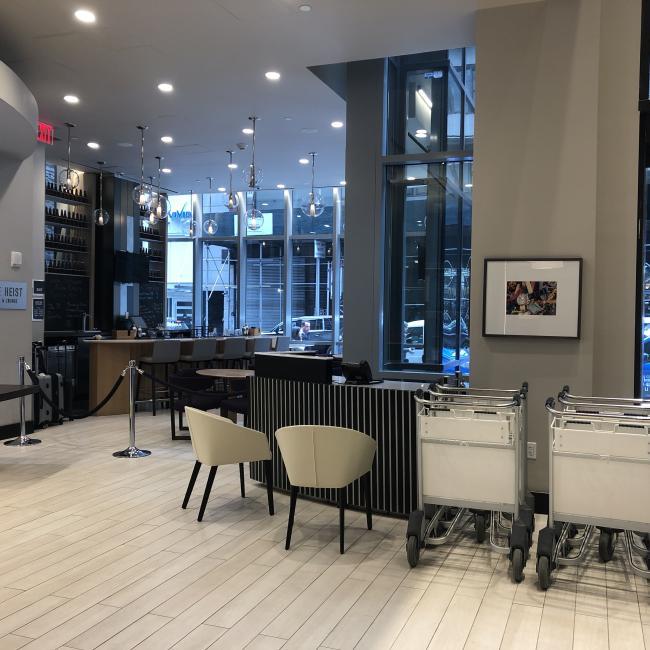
(95,552)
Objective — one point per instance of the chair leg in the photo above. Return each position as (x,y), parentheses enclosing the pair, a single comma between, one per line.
(268,473)
(365,484)
(206,494)
(292,511)
(190,487)
(153,391)
(342,504)
(171,415)
(241,481)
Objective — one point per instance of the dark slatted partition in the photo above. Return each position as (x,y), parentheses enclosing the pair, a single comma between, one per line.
(386,414)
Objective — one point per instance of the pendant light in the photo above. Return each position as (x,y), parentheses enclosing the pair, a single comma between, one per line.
(68,178)
(210,225)
(254,218)
(101,216)
(313,207)
(142,192)
(159,202)
(232,202)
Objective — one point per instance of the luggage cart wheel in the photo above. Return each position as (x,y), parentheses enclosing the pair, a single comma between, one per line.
(544,571)
(606,544)
(517,564)
(480,525)
(413,550)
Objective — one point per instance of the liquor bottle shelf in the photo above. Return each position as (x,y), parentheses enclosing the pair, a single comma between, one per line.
(62,270)
(66,221)
(56,244)
(66,197)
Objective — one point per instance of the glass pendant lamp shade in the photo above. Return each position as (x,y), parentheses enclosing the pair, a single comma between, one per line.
(68,177)
(254,219)
(210,227)
(101,216)
(313,206)
(159,203)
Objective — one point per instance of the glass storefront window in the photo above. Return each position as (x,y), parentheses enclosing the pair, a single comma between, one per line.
(312,291)
(426,317)
(264,306)
(271,204)
(180,215)
(180,284)
(303,224)
(219,309)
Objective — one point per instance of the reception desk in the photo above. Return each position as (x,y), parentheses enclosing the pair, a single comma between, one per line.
(385,411)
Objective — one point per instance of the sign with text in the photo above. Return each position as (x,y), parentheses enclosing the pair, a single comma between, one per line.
(45,133)
(13,295)
(38,308)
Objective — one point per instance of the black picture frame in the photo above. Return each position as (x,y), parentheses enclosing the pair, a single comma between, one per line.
(486,263)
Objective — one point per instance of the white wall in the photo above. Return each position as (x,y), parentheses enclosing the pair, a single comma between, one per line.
(555,175)
(22,201)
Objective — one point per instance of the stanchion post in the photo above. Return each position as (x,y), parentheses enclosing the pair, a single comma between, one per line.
(24,439)
(132,451)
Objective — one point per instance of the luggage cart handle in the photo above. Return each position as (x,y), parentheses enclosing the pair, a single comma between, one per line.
(424,397)
(587,417)
(453,390)
(576,403)
(566,395)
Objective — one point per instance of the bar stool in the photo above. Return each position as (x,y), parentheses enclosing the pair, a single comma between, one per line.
(165,353)
(203,350)
(257,344)
(234,349)
(282,343)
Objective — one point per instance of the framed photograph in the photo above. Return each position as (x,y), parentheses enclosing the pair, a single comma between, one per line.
(532,297)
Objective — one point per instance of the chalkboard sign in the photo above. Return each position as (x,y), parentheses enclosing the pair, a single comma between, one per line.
(152,303)
(66,301)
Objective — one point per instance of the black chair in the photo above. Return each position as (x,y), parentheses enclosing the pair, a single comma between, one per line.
(178,400)
(165,353)
(236,401)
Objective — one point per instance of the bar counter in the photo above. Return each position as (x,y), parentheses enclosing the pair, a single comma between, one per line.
(385,411)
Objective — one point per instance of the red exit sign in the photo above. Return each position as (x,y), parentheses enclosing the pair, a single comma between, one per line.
(45,133)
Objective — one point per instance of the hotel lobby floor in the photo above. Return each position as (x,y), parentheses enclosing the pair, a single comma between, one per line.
(95,552)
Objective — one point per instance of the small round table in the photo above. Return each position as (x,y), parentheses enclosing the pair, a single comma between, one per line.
(226,373)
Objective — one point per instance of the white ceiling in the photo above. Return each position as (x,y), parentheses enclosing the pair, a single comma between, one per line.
(215,53)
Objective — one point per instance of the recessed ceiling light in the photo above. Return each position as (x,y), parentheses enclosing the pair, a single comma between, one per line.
(93,145)
(247,131)
(305,8)
(420,134)
(167,139)
(165,87)
(71,99)
(232,165)
(343,183)
(221,189)
(410,178)
(85,16)
(166,170)
(304,161)
(264,204)
(280,186)
(272,75)
(469,185)
(337,124)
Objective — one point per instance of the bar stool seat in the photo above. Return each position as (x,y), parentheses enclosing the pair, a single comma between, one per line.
(255,345)
(165,353)
(232,351)
(203,350)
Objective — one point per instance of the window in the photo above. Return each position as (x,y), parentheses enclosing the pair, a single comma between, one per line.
(428,212)
(271,203)
(217,220)
(306,225)
(264,284)
(219,287)
(180,284)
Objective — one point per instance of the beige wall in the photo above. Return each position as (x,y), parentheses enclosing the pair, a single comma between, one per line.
(555,175)
(21,229)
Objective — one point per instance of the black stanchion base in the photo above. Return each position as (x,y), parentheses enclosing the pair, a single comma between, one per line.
(22,442)
(132,452)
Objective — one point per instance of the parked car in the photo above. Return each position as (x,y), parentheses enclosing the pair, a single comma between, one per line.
(321,328)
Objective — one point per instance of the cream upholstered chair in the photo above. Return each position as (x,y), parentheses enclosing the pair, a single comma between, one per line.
(219,441)
(326,457)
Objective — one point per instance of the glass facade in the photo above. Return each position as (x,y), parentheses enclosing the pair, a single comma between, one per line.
(428,211)
(287,269)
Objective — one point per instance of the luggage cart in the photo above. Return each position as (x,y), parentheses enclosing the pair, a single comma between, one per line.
(599,468)
(469,467)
